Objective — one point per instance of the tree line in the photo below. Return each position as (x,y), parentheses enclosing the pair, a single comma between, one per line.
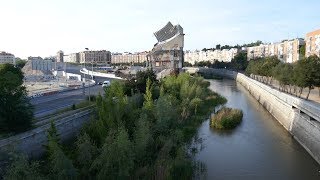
(221,47)
(292,77)
(134,135)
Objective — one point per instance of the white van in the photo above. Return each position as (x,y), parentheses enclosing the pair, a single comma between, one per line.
(106,83)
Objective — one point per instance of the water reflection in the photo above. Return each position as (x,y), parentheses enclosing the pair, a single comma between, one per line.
(260,148)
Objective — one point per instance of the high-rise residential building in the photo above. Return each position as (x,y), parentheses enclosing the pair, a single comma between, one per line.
(60,55)
(313,43)
(167,53)
(7,58)
(96,57)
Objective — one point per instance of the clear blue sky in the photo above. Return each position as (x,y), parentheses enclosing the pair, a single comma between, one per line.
(42,27)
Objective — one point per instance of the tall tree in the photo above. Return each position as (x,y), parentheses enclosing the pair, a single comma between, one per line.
(16,112)
(61,166)
(116,160)
(86,153)
(240,62)
(148,101)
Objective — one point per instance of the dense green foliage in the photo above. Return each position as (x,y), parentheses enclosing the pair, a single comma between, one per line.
(226,118)
(292,77)
(137,136)
(16,112)
(138,83)
(20,63)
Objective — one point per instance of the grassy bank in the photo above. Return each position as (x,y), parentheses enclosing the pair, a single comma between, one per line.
(226,118)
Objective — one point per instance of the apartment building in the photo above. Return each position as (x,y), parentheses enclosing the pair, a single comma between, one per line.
(313,43)
(287,51)
(126,57)
(96,57)
(225,55)
(72,58)
(7,58)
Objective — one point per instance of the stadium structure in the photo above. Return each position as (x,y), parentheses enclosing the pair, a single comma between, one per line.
(167,53)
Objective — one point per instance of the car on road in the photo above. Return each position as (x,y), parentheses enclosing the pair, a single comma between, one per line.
(106,84)
(100,83)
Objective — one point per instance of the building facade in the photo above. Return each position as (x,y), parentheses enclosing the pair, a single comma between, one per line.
(60,55)
(96,57)
(287,51)
(313,43)
(129,58)
(225,55)
(72,58)
(167,53)
(7,58)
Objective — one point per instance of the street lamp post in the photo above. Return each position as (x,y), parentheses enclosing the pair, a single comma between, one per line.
(88,74)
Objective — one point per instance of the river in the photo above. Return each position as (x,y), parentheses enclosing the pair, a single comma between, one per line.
(260,148)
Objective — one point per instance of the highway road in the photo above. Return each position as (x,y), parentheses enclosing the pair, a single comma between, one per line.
(46,105)
(49,104)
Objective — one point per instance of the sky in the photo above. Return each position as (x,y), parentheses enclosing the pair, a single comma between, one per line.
(43,27)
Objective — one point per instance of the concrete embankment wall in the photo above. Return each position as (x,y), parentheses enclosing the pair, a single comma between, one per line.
(32,143)
(300,117)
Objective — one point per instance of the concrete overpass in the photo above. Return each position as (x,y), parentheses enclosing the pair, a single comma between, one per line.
(99,74)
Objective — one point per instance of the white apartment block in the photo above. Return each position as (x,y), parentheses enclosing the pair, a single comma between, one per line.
(225,55)
(72,58)
(286,51)
(7,58)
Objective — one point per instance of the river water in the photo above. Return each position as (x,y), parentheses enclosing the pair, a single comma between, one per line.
(260,148)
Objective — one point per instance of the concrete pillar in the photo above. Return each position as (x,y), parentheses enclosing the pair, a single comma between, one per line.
(171,59)
(181,58)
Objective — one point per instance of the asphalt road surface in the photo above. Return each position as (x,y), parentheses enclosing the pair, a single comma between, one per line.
(49,104)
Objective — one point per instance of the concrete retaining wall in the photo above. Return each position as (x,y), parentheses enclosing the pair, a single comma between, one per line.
(300,117)
(32,142)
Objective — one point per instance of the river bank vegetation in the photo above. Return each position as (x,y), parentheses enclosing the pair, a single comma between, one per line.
(135,135)
(291,77)
(226,118)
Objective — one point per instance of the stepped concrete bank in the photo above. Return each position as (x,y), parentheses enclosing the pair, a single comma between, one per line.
(32,143)
(300,117)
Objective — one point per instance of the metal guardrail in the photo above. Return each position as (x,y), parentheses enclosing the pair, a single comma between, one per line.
(44,120)
(44,125)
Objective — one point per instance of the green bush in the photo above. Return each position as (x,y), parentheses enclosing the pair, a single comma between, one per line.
(226,118)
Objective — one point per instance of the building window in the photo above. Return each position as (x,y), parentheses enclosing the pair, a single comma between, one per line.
(175,54)
(157,64)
